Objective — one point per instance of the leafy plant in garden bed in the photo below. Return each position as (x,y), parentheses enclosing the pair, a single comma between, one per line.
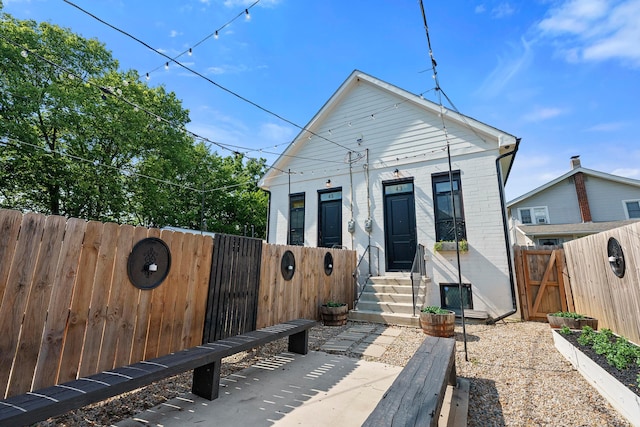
(571,320)
(615,354)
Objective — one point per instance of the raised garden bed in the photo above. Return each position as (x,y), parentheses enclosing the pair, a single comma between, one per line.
(618,387)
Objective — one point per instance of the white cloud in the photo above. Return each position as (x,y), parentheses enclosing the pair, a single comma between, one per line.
(480,8)
(174,33)
(607,127)
(227,69)
(627,172)
(595,30)
(245,3)
(503,10)
(543,113)
(272,132)
(506,69)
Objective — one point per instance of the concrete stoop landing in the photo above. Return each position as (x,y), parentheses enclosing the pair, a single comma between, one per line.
(388,299)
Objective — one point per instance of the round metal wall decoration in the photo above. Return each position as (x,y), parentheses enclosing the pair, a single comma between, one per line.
(616,257)
(149,263)
(328,263)
(288,265)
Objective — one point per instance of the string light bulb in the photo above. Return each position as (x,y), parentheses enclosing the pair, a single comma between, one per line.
(190,52)
(147,76)
(246,14)
(215,35)
(24,53)
(166,65)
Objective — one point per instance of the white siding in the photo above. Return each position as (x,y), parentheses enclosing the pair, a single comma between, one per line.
(605,198)
(402,135)
(560,199)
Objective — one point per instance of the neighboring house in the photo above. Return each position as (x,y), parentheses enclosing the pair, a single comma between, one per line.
(580,202)
(370,170)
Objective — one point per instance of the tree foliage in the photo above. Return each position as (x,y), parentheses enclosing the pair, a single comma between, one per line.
(81,138)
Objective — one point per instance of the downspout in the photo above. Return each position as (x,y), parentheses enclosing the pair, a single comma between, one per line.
(266,236)
(505,228)
(351,220)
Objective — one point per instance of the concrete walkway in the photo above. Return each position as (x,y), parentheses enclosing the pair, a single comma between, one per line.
(318,389)
(366,340)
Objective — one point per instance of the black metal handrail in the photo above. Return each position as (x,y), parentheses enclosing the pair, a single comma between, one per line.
(355,271)
(418,266)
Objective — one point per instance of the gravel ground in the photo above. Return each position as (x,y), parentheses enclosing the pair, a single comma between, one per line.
(517,379)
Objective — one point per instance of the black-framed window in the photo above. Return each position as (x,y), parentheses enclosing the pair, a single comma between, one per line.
(450,296)
(443,209)
(296,220)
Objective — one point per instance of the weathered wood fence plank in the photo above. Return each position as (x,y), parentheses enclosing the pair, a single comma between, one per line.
(17,291)
(68,308)
(597,291)
(81,303)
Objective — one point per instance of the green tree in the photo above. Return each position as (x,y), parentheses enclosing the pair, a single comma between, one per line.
(82,139)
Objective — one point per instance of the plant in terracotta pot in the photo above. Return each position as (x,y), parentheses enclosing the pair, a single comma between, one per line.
(334,313)
(437,322)
(571,320)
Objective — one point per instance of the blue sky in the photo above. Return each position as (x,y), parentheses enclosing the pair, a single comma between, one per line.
(562,75)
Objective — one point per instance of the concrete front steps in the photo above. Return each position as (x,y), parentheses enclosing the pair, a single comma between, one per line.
(388,299)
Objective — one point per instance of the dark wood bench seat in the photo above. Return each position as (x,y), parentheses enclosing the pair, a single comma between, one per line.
(416,396)
(204,360)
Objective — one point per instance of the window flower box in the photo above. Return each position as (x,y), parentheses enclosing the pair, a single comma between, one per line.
(448,246)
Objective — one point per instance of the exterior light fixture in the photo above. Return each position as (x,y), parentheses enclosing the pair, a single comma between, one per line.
(328,183)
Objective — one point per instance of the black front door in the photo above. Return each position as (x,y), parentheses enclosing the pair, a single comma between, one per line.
(330,219)
(399,225)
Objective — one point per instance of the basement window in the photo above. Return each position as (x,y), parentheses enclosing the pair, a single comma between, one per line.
(450,296)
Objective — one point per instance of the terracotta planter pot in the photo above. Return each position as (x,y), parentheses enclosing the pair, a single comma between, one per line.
(557,322)
(438,325)
(334,316)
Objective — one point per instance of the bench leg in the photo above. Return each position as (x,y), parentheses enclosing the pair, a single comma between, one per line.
(299,342)
(206,381)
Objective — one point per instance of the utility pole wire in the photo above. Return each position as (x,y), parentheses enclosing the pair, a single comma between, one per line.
(434,64)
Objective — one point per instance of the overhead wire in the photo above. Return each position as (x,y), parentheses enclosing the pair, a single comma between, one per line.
(451,186)
(112,92)
(202,76)
(214,34)
(119,169)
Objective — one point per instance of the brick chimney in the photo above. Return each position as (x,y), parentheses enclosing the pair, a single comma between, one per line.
(581,190)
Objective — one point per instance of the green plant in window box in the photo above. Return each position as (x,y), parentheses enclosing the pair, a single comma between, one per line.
(450,246)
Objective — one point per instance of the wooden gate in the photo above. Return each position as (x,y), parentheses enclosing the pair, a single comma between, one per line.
(539,272)
(232,304)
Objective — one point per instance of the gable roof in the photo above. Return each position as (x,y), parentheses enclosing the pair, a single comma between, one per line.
(586,171)
(505,140)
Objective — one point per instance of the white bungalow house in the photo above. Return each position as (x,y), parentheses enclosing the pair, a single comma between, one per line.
(370,172)
(576,204)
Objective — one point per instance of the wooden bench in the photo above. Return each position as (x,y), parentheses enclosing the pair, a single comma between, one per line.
(204,360)
(416,396)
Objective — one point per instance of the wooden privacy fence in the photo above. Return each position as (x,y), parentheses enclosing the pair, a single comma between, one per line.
(67,307)
(541,284)
(597,291)
(281,299)
(233,287)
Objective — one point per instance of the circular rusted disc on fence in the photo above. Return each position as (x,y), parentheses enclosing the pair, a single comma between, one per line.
(149,263)
(288,265)
(328,263)
(616,257)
